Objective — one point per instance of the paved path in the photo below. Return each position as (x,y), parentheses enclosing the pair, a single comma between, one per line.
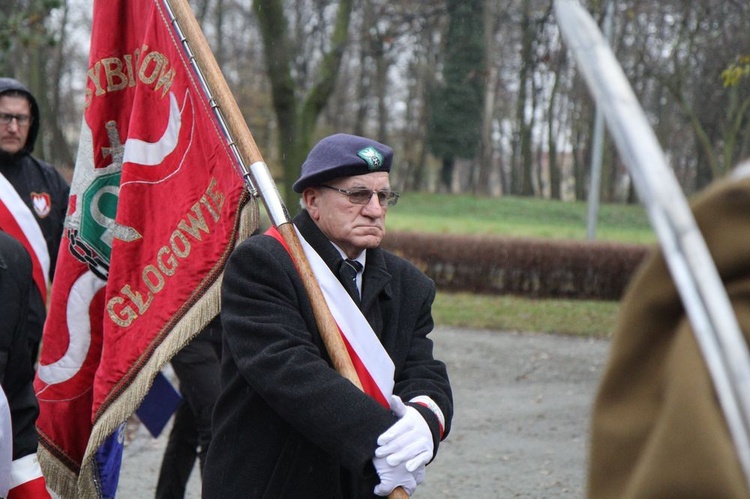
(520,428)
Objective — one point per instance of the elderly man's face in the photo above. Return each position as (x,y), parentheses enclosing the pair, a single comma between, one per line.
(353,227)
(13,136)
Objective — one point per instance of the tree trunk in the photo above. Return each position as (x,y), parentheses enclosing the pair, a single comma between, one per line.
(446,174)
(486,156)
(297,117)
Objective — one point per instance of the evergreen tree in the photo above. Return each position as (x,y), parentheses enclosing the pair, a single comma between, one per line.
(454,128)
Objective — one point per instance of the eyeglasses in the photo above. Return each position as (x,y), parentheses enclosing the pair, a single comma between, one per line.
(386,197)
(21,119)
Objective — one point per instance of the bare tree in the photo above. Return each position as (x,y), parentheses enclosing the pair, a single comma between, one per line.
(532,19)
(300,91)
(488,152)
(683,47)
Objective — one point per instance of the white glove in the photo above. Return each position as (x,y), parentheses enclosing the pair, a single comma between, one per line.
(409,440)
(396,476)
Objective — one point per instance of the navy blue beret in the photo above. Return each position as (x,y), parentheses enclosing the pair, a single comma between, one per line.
(343,155)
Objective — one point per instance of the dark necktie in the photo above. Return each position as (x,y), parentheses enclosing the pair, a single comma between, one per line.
(349,270)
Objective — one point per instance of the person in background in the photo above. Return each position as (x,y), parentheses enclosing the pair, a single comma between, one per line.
(18,439)
(197,367)
(286,423)
(657,427)
(33,194)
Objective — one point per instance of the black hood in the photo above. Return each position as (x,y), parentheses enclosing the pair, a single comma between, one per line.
(9,84)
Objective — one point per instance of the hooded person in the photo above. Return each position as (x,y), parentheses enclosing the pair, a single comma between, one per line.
(34,196)
(286,423)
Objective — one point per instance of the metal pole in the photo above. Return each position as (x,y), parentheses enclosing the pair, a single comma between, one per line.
(598,145)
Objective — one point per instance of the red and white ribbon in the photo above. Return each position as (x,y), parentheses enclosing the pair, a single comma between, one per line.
(372,363)
(431,405)
(27,480)
(17,220)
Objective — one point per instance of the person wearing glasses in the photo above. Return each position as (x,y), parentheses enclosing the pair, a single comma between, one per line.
(33,195)
(286,423)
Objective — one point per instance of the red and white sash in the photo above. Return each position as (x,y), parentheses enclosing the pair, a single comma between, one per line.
(17,220)
(372,363)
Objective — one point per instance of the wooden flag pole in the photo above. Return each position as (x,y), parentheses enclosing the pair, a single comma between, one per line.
(260,179)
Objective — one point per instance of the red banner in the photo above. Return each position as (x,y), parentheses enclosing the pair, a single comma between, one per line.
(155,210)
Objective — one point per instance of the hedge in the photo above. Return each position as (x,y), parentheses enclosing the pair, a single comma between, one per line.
(539,268)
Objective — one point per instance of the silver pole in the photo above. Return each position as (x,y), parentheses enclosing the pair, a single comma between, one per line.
(598,145)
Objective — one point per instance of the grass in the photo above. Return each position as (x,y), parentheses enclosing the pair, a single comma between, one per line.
(514,313)
(520,217)
(517,217)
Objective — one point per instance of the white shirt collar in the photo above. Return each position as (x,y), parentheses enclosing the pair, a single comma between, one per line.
(361,258)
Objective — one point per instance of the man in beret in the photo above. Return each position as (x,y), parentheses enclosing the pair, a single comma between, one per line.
(286,424)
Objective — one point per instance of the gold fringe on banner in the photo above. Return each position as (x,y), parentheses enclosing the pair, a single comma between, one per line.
(206,306)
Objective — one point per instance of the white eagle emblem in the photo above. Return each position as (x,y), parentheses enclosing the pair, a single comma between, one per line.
(42,203)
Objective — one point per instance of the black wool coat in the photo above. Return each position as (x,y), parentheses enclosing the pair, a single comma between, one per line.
(287,424)
(16,368)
